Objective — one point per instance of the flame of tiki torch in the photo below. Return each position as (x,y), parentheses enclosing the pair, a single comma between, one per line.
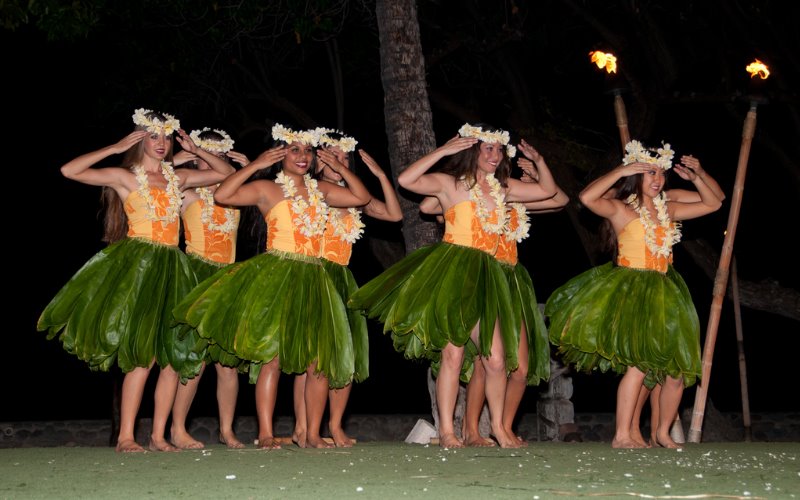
(759,69)
(605,60)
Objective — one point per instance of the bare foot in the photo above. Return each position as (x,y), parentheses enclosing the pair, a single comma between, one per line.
(636,435)
(129,446)
(653,443)
(299,438)
(340,439)
(522,441)
(161,445)
(506,441)
(230,440)
(184,441)
(666,442)
(626,443)
(268,443)
(450,441)
(478,441)
(317,442)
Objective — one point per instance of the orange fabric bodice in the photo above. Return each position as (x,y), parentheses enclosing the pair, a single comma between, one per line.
(632,250)
(284,235)
(462,227)
(140,226)
(334,247)
(207,243)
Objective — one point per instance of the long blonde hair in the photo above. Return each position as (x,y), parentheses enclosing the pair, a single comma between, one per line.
(115,222)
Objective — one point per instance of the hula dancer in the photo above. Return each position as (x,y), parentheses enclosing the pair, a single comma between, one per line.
(117,307)
(439,297)
(343,229)
(636,316)
(533,344)
(210,232)
(280,310)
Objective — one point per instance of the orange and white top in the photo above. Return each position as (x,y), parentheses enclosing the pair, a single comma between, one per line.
(633,252)
(335,247)
(463,227)
(285,235)
(140,225)
(205,242)
(507,247)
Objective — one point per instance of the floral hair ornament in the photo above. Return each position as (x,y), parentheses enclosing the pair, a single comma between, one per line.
(287,135)
(155,125)
(346,144)
(213,145)
(494,137)
(635,152)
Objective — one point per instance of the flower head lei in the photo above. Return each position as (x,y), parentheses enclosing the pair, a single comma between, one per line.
(287,135)
(672,232)
(207,214)
(492,137)
(155,125)
(300,207)
(635,152)
(213,145)
(173,193)
(497,194)
(345,143)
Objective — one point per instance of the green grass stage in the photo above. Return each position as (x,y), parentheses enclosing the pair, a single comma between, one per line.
(389,470)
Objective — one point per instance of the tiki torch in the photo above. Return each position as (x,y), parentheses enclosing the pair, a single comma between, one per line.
(760,71)
(608,61)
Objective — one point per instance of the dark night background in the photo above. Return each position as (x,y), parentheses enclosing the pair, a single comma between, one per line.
(70,91)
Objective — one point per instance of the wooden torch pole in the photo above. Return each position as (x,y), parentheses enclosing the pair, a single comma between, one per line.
(622,118)
(721,280)
(737,314)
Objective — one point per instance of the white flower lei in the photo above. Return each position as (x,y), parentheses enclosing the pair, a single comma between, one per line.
(340,229)
(206,215)
(496,192)
(218,146)
(635,152)
(173,192)
(496,137)
(155,126)
(346,144)
(523,227)
(672,232)
(287,135)
(308,226)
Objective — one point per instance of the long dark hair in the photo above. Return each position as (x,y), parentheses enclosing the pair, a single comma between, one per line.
(464,164)
(115,222)
(623,188)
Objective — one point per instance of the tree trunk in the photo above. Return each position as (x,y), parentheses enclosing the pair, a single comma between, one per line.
(409,123)
(407,110)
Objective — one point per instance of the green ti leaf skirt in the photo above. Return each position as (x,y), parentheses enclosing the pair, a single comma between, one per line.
(612,317)
(436,295)
(118,307)
(276,304)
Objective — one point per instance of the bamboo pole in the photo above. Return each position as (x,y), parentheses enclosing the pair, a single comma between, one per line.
(721,279)
(622,118)
(737,313)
